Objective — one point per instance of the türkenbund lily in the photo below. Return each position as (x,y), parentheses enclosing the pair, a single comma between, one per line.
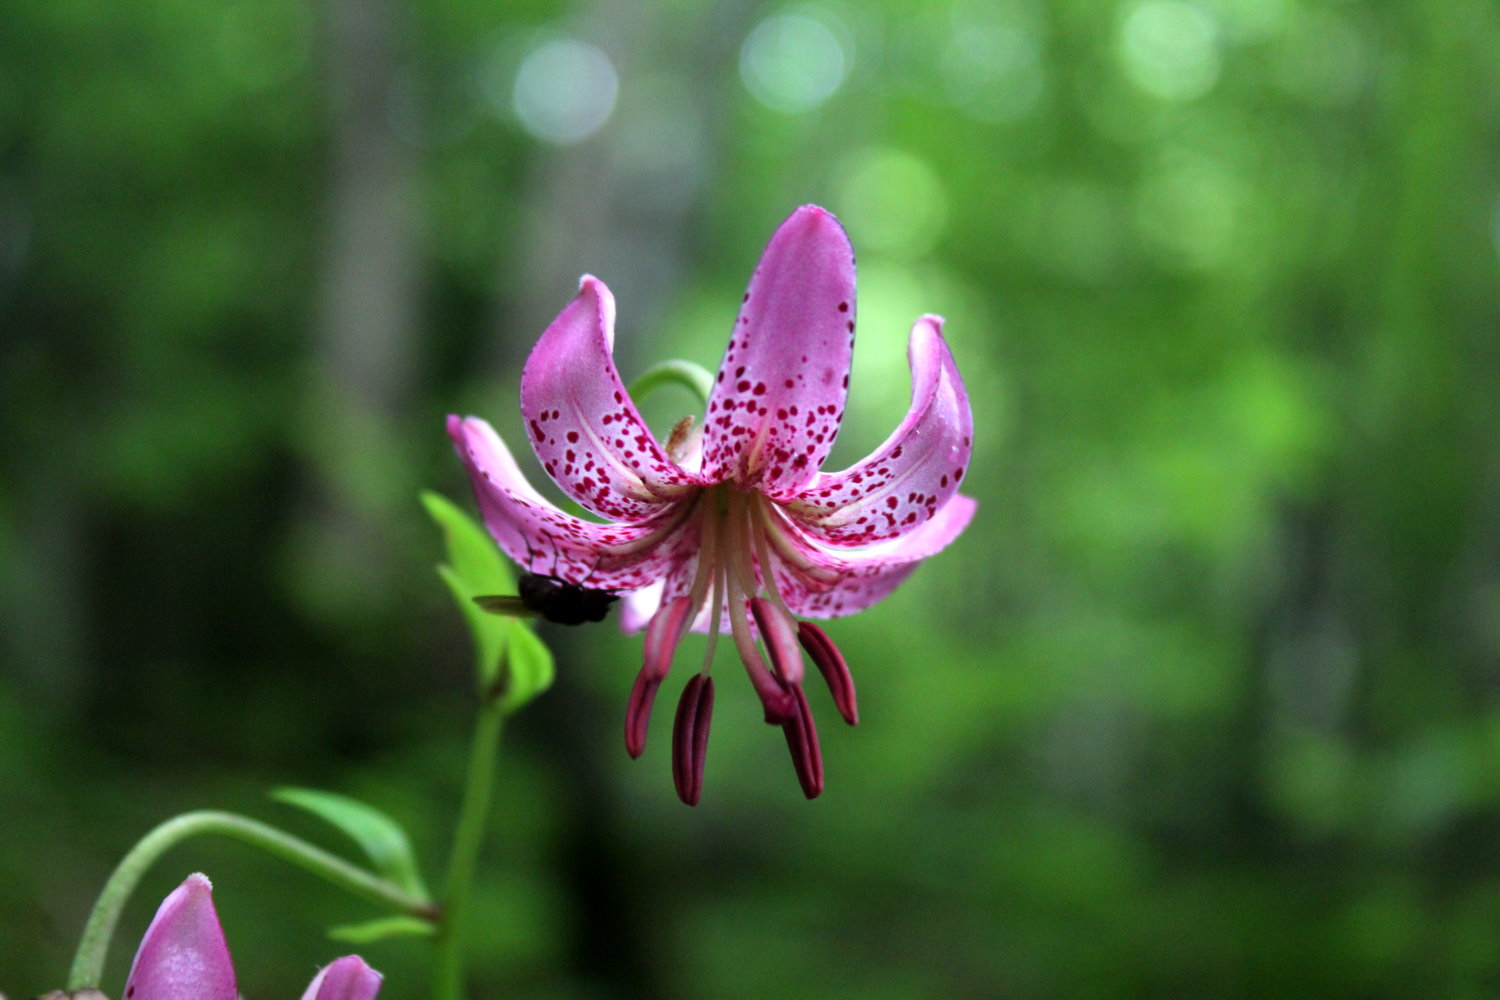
(732,528)
(184,956)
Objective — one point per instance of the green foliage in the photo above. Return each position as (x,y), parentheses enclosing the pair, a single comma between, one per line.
(383,840)
(382,929)
(513,665)
(528,669)
(1205,703)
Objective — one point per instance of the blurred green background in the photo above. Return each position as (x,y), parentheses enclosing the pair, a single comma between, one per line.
(1205,703)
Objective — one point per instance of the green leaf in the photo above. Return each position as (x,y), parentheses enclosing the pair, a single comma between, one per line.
(381,838)
(530,670)
(512,664)
(470,550)
(474,567)
(381,928)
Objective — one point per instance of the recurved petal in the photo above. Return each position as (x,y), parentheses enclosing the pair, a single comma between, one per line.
(779,394)
(544,539)
(347,978)
(183,955)
(583,425)
(915,472)
(820,583)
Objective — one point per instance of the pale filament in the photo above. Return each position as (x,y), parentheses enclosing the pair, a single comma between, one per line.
(791,556)
(741,587)
(762,552)
(708,582)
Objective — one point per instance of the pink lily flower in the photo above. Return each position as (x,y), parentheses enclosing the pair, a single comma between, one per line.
(184,956)
(732,528)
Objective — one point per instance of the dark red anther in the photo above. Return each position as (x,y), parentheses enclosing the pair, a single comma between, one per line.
(770,689)
(638,711)
(664,632)
(802,741)
(776,632)
(830,663)
(775,698)
(690,737)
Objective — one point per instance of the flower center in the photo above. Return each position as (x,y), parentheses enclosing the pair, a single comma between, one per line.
(735,579)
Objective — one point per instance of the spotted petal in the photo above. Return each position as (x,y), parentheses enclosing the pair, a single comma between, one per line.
(820,583)
(584,426)
(639,606)
(779,395)
(347,978)
(183,955)
(913,474)
(544,539)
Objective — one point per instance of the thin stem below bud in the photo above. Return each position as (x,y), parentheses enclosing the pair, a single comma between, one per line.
(88,961)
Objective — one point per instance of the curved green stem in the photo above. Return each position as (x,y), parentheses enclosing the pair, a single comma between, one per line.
(694,378)
(88,961)
(448,965)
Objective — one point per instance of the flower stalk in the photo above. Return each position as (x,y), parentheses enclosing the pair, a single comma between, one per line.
(468,838)
(694,378)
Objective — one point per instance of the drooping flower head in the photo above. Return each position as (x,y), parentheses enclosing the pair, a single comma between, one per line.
(732,527)
(183,956)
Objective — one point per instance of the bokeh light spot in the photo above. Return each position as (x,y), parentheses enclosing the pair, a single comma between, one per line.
(1250,21)
(565,90)
(1170,49)
(1188,211)
(892,201)
(1324,61)
(793,62)
(991,72)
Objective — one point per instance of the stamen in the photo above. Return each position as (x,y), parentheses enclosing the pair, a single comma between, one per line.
(662,636)
(678,437)
(773,696)
(743,589)
(690,737)
(767,568)
(638,713)
(776,631)
(741,532)
(793,558)
(830,663)
(708,561)
(716,613)
(802,741)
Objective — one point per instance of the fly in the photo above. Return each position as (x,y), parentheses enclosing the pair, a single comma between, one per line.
(557,601)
